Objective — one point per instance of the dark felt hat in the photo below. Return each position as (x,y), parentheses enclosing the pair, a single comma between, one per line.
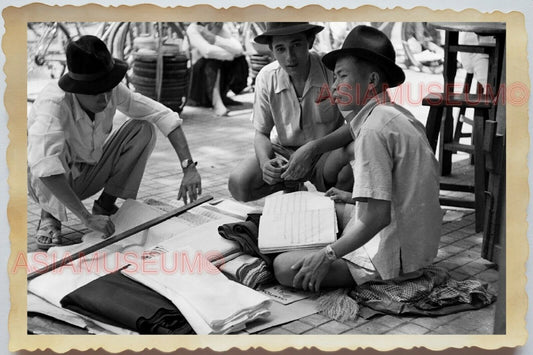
(286,28)
(91,68)
(373,45)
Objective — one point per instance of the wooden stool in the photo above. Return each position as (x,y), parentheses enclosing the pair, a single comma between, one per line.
(437,127)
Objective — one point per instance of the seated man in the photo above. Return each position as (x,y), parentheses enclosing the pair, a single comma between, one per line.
(310,142)
(219,65)
(395,228)
(72,153)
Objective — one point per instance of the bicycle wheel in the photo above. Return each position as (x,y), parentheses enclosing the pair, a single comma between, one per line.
(422,47)
(47,42)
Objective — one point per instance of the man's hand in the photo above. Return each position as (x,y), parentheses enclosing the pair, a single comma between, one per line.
(339,195)
(99,223)
(312,269)
(272,170)
(300,163)
(191,185)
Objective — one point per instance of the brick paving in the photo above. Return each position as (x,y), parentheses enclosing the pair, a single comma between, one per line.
(219,143)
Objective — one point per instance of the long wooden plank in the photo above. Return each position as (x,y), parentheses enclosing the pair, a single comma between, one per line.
(120,236)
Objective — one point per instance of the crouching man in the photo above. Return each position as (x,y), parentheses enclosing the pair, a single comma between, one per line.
(300,135)
(73,154)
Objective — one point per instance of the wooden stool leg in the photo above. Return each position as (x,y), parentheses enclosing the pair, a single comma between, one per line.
(447,137)
(479,166)
(433,126)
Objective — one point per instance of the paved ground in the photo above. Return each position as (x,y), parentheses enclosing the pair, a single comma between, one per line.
(219,143)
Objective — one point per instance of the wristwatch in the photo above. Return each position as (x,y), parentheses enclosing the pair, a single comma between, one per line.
(188,162)
(330,253)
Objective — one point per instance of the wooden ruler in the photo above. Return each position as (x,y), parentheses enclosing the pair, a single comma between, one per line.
(120,236)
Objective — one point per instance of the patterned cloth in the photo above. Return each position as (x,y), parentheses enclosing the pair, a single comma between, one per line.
(430,291)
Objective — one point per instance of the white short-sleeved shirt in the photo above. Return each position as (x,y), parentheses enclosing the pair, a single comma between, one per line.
(61,135)
(394,162)
(296,122)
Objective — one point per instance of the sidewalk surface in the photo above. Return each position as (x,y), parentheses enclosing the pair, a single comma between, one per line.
(219,143)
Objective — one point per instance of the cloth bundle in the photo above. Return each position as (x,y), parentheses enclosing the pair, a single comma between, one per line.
(427,292)
(210,302)
(117,300)
(245,234)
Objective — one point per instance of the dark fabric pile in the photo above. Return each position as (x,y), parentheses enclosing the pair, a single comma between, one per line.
(245,234)
(117,300)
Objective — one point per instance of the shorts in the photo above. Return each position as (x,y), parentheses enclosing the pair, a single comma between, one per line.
(359,263)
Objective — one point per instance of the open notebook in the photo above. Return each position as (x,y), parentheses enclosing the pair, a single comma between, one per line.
(296,221)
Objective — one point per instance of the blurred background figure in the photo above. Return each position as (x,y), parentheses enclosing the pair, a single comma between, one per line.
(219,65)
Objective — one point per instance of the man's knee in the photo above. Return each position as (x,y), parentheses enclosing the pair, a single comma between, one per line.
(143,131)
(236,186)
(282,269)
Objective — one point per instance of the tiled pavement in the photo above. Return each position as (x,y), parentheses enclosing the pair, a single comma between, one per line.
(219,143)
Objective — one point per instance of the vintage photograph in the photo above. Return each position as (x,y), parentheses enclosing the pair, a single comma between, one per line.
(266,178)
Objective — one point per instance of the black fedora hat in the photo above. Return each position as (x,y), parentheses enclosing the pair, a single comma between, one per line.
(373,45)
(91,68)
(286,28)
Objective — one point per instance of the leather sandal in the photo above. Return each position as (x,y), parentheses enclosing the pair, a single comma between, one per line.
(48,233)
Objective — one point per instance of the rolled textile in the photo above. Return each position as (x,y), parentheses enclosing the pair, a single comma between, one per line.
(247,270)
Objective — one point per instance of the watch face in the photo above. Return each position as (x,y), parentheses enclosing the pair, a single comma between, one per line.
(185,163)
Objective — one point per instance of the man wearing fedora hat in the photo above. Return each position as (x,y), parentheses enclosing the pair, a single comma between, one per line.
(298,135)
(395,223)
(73,154)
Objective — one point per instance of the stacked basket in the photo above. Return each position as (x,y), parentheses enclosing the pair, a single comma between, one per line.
(257,62)
(175,74)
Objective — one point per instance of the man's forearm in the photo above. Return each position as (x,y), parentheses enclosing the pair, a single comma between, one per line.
(336,139)
(60,188)
(373,216)
(179,143)
(263,148)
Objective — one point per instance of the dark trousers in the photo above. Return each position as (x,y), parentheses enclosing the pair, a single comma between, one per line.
(233,76)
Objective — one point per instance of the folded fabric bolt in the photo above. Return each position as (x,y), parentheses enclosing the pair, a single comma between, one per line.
(118,300)
(211,303)
(247,270)
(245,234)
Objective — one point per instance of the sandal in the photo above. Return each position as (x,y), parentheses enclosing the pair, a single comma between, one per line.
(48,233)
(97,209)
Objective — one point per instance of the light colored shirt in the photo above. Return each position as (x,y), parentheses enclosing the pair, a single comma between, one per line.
(61,135)
(296,121)
(226,46)
(394,162)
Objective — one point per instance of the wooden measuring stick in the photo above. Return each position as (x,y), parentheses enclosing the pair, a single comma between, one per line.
(120,236)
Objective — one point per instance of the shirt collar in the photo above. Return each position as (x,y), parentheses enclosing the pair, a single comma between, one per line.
(79,112)
(362,115)
(315,77)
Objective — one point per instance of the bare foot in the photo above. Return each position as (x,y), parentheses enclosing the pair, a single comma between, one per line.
(221,110)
